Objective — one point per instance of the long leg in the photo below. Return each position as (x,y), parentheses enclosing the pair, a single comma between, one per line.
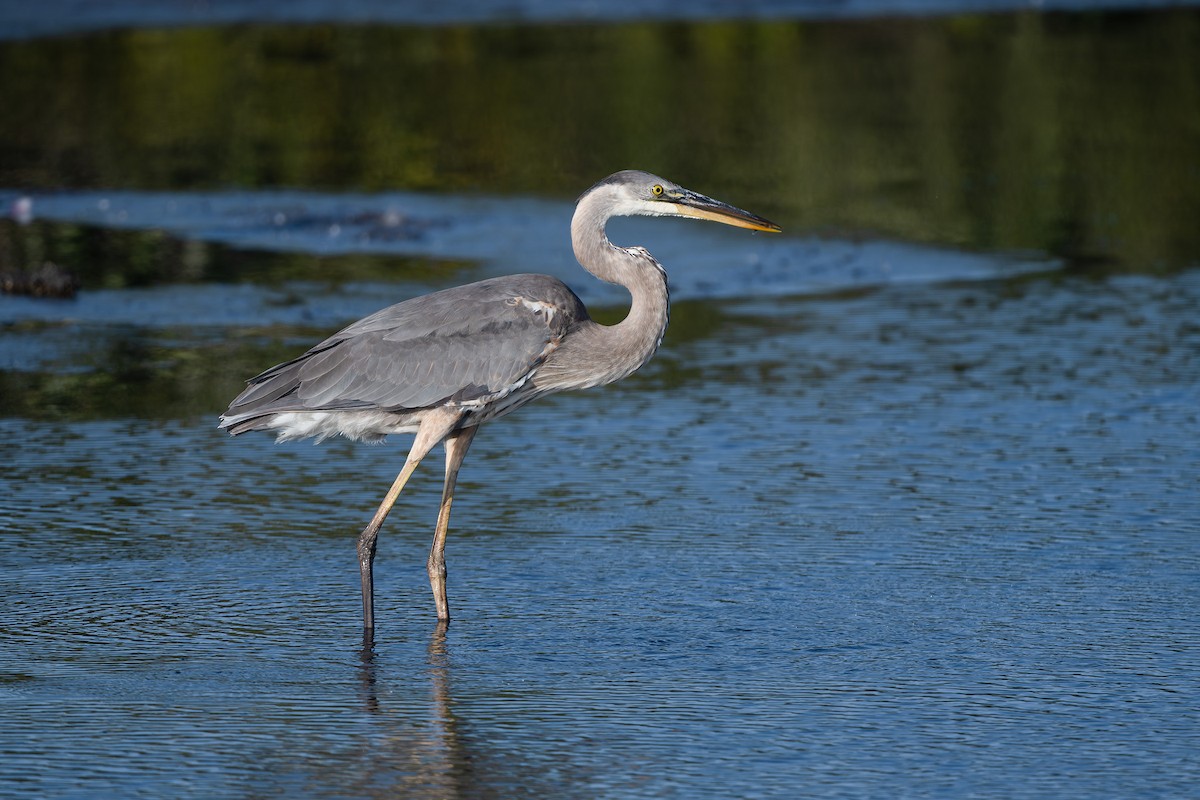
(434,428)
(456,450)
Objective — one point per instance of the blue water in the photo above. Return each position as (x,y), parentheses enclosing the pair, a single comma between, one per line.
(929,538)
(881,519)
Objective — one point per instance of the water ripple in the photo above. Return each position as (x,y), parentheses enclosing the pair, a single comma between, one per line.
(940,539)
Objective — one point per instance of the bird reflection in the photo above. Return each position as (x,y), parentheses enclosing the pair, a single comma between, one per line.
(367,671)
(421,743)
(418,760)
(444,720)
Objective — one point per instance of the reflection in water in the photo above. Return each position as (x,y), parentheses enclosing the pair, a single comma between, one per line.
(417,759)
(366,663)
(420,750)
(956,527)
(933,539)
(445,725)
(1067,134)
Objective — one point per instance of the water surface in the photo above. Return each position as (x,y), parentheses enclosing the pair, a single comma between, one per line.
(905,506)
(942,538)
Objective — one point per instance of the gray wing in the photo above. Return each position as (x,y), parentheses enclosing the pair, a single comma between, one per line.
(468,345)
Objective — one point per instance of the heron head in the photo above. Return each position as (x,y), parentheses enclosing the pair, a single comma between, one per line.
(632,192)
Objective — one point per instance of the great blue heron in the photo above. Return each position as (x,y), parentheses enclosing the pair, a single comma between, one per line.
(443,364)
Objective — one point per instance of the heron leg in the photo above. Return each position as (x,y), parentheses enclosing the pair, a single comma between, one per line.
(434,427)
(456,450)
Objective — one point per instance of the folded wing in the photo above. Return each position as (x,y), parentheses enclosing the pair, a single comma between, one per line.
(469,346)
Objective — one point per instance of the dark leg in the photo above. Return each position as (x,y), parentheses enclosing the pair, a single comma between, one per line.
(366,539)
(433,428)
(456,450)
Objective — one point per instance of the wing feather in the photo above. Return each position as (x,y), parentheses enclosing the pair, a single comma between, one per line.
(473,343)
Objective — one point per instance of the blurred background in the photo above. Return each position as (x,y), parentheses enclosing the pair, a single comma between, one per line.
(905,506)
(1073,137)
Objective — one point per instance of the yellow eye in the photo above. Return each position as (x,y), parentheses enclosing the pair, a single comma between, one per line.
(657,190)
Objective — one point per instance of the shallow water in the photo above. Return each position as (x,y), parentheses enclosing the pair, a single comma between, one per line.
(905,506)
(941,538)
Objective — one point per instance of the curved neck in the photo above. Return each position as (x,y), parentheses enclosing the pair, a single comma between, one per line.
(630,343)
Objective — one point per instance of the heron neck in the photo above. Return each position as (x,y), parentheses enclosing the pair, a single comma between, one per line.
(629,344)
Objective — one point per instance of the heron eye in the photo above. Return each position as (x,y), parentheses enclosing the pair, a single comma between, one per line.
(657,190)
